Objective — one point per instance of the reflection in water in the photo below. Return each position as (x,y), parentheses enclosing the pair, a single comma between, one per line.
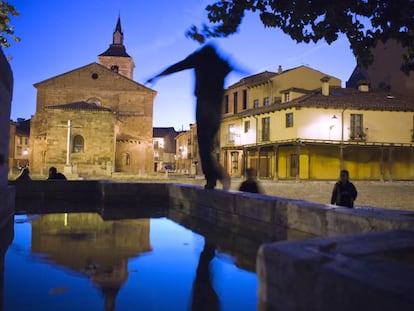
(204,295)
(6,237)
(89,246)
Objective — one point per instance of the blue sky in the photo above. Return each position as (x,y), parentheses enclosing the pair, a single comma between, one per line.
(58,36)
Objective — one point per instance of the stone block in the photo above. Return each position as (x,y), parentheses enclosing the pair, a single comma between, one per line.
(361,272)
(255,206)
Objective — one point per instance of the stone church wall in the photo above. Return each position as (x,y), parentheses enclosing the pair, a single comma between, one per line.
(49,144)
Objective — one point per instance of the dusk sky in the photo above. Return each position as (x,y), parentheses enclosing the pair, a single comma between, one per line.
(59,36)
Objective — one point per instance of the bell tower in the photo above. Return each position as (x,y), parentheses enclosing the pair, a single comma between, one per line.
(115,57)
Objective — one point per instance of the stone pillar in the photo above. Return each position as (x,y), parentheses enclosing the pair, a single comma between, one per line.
(6,91)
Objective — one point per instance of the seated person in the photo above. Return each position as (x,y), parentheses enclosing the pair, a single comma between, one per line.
(24,175)
(250,184)
(54,175)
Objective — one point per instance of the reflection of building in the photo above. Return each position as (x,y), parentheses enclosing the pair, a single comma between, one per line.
(111,128)
(312,131)
(164,148)
(19,147)
(87,245)
(187,157)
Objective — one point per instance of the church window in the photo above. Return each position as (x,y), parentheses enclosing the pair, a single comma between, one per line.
(78,144)
(94,76)
(115,68)
(127,159)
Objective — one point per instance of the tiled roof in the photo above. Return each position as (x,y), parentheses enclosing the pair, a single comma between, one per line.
(341,98)
(126,137)
(163,131)
(115,50)
(79,106)
(254,79)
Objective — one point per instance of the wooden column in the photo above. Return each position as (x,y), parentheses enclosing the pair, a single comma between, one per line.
(390,151)
(381,164)
(298,162)
(276,155)
(258,162)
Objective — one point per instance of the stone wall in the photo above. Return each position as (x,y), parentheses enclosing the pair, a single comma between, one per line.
(6,91)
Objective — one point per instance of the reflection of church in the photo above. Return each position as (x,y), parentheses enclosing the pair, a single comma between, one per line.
(111,117)
(94,248)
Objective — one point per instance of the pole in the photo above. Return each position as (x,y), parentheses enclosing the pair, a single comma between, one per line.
(68,143)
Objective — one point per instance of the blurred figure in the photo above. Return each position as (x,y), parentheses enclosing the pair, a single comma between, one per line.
(54,175)
(24,175)
(204,296)
(344,192)
(250,184)
(210,72)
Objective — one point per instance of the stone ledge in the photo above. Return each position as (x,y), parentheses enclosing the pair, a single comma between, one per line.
(371,271)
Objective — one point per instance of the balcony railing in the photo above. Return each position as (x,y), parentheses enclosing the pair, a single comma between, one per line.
(358,136)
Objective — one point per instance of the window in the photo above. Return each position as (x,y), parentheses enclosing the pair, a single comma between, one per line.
(226,104)
(20,140)
(95,101)
(357,128)
(412,131)
(266,129)
(287,97)
(127,159)
(156,145)
(231,133)
(26,140)
(244,99)
(246,126)
(266,101)
(289,119)
(77,144)
(115,68)
(235,102)
(255,103)
(19,150)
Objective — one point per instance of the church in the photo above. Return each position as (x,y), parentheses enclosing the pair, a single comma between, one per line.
(94,120)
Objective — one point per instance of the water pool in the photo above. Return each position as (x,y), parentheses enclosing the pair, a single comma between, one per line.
(79,261)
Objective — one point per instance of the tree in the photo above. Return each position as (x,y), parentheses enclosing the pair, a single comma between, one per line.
(364,22)
(6,12)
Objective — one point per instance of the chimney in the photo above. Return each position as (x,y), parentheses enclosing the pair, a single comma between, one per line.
(279,69)
(325,85)
(363,86)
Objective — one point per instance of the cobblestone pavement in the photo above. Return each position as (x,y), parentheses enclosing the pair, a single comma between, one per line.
(395,195)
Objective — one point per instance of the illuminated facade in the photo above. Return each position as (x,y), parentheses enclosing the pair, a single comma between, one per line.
(19,144)
(310,133)
(187,156)
(164,148)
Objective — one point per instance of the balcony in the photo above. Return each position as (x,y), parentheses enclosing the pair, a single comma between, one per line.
(358,136)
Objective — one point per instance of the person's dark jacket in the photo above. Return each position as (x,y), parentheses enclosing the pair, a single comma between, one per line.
(250,186)
(344,194)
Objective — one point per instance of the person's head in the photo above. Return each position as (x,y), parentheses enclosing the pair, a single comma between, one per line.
(344,176)
(52,171)
(250,173)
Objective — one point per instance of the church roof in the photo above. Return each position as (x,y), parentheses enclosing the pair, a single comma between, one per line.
(91,66)
(163,131)
(79,106)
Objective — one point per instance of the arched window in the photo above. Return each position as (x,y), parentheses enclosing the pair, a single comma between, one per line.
(77,144)
(127,159)
(115,68)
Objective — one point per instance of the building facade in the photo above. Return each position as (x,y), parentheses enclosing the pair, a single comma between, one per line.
(187,155)
(19,145)
(164,148)
(311,136)
(110,128)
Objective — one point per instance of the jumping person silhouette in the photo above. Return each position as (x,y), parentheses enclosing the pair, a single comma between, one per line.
(210,72)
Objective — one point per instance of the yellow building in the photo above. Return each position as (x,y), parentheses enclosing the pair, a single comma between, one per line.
(315,128)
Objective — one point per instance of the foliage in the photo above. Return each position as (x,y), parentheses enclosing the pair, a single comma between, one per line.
(6,12)
(363,22)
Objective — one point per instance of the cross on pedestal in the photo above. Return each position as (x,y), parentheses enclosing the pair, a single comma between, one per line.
(68,165)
